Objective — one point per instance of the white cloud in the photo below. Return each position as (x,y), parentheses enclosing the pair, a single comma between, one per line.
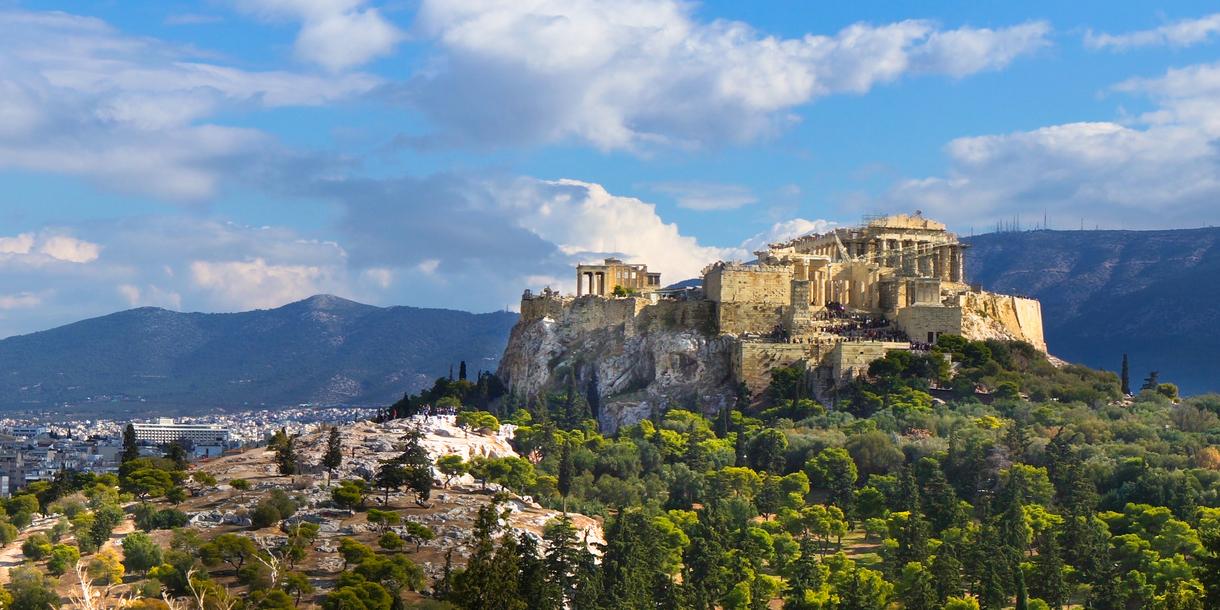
(781,231)
(79,98)
(149,296)
(707,196)
(630,74)
(563,212)
(47,247)
(1161,169)
(256,284)
(19,244)
(69,249)
(335,34)
(1182,33)
(20,300)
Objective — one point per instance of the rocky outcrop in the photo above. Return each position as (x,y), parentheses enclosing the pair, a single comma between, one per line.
(630,356)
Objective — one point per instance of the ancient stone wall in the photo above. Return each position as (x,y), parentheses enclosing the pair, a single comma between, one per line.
(536,307)
(850,359)
(761,284)
(925,323)
(753,361)
(738,318)
(677,315)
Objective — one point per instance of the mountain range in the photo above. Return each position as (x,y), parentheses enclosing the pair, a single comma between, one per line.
(323,349)
(1154,295)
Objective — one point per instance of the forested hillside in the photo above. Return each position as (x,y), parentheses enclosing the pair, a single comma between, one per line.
(321,350)
(1152,294)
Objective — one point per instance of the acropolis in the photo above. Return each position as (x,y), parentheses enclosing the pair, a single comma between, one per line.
(830,303)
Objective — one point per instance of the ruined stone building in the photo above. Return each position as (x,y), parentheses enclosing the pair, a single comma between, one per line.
(601,280)
(830,303)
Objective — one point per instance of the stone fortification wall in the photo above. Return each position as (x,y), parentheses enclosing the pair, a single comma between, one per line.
(987,315)
(918,321)
(738,318)
(536,307)
(736,283)
(753,361)
(697,315)
(850,359)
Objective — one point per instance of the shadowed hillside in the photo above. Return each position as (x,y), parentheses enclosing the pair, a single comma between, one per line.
(1152,294)
(323,349)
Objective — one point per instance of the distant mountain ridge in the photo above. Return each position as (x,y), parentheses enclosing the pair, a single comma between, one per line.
(323,349)
(1152,294)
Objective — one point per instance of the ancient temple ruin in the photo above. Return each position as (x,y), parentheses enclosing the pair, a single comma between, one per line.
(829,302)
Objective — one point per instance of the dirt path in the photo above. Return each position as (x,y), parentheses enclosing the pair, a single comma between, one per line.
(10,554)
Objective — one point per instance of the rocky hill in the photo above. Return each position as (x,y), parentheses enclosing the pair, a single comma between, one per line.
(323,349)
(1151,294)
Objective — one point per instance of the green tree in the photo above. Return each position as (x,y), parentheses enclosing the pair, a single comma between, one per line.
(233,549)
(451,466)
(333,458)
(917,588)
(131,450)
(140,553)
(284,445)
(835,471)
(63,558)
(30,590)
(296,584)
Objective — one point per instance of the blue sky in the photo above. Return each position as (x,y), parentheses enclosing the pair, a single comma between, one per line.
(231,154)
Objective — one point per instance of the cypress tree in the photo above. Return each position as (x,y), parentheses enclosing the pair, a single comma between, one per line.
(1049,584)
(462,371)
(1126,376)
(333,458)
(130,450)
(947,572)
(566,471)
(532,577)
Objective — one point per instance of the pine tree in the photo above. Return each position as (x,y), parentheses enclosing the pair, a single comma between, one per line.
(1208,572)
(416,465)
(947,572)
(633,564)
(285,452)
(333,458)
(1049,584)
(1152,381)
(131,451)
(1022,593)
(1126,376)
(532,582)
(490,578)
(571,571)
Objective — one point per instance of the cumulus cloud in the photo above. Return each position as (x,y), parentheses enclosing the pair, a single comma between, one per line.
(254,283)
(65,248)
(78,97)
(335,34)
(781,231)
(1161,169)
(1184,33)
(30,249)
(630,74)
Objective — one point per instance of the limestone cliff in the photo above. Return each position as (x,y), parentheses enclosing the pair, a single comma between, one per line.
(630,355)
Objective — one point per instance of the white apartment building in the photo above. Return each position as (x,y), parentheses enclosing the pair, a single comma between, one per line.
(165,431)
